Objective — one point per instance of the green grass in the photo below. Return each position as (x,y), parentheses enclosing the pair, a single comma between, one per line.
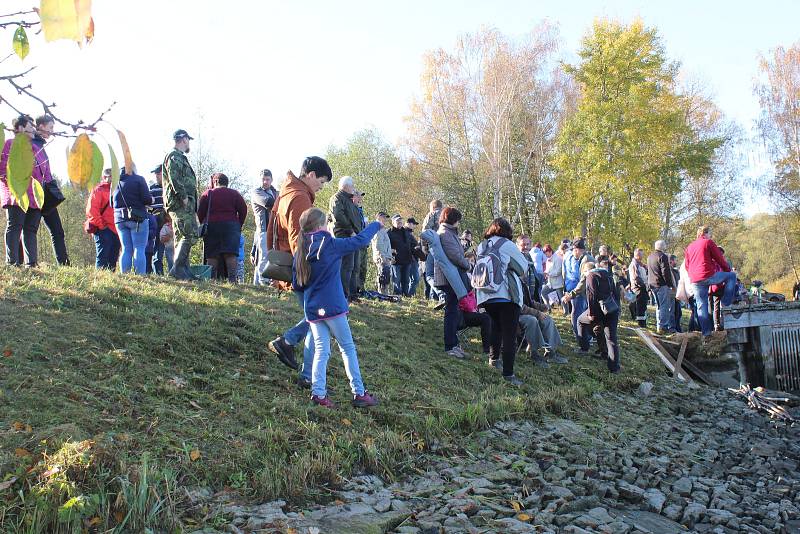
(112,385)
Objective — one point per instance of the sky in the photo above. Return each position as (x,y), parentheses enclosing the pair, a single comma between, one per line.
(266,83)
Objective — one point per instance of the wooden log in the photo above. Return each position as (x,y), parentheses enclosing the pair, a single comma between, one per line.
(680,357)
(662,353)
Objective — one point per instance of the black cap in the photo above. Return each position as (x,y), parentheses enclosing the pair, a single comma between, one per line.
(360,193)
(180,134)
(158,169)
(579,243)
(411,220)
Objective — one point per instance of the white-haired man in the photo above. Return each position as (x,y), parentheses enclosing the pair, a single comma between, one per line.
(662,283)
(347,222)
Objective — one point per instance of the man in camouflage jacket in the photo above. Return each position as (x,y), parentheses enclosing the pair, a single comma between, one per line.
(180,201)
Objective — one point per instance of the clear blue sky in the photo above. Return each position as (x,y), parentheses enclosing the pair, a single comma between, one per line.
(266,83)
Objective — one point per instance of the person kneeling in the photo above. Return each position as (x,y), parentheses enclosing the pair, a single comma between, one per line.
(316,273)
(602,314)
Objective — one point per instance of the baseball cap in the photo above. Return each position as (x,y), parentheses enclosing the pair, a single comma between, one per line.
(579,243)
(158,169)
(180,134)
(396,216)
(412,220)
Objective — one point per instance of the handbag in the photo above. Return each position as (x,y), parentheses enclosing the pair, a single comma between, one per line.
(136,215)
(608,305)
(52,196)
(279,262)
(204,227)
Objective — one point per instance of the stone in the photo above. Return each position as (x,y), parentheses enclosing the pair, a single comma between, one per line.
(692,514)
(648,522)
(513,526)
(579,505)
(645,388)
(673,511)
(630,492)
(554,474)
(383,505)
(682,486)
(655,500)
(601,515)
(719,517)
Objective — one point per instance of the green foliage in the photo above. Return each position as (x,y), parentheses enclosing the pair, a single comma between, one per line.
(20,169)
(114,166)
(97,167)
(21,45)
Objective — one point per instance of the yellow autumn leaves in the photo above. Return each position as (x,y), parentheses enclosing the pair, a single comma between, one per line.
(85,161)
(67,19)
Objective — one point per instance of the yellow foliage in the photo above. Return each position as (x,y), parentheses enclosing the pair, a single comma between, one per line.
(66,19)
(79,161)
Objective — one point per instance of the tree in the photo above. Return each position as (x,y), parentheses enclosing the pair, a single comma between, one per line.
(622,155)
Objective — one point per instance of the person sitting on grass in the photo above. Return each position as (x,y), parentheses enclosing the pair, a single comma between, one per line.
(316,274)
(540,332)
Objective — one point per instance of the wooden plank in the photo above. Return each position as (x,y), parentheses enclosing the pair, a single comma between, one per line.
(662,353)
(680,356)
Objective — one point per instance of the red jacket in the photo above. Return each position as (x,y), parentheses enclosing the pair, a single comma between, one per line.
(703,259)
(98,211)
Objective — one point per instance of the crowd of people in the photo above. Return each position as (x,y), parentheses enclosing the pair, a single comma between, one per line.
(506,285)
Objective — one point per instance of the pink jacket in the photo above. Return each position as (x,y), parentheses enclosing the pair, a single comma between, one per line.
(40,164)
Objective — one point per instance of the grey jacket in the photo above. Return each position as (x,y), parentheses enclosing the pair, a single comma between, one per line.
(381,247)
(262,201)
(451,244)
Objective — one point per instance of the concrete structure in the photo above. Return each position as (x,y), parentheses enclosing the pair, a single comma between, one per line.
(765,339)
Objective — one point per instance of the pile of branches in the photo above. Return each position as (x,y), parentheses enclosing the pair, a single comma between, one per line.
(758,399)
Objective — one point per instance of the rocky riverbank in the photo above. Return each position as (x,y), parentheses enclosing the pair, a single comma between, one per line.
(666,459)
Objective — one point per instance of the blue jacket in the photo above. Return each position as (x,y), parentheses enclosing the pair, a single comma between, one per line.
(152,234)
(572,271)
(323,296)
(131,192)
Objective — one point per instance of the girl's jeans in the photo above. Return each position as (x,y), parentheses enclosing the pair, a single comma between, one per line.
(322,330)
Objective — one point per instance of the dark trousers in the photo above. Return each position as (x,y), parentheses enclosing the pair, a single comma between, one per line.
(107,245)
(482,320)
(26,224)
(694,324)
(678,315)
(604,327)
(638,308)
(157,264)
(349,274)
(52,220)
(452,317)
(505,318)
(402,277)
(149,265)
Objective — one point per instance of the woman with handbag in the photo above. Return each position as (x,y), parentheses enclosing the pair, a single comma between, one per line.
(21,221)
(130,200)
(602,314)
(221,212)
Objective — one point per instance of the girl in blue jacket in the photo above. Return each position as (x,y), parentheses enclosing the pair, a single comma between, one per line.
(316,273)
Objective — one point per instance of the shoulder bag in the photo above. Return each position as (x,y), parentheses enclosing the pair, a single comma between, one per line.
(609,305)
(279,262)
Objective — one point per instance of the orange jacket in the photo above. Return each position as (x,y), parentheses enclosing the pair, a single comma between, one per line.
(284,223)
(99,212)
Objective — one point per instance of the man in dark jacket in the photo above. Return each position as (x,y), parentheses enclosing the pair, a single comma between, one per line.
(661,282)
(347,222)
(50,216)
(600,287)
(262,198)
(676,276)
(160,250)
(403,244)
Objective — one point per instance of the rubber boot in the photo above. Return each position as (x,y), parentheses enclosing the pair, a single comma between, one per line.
(180,265)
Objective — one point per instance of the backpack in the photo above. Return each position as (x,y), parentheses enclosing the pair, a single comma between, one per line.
(488,274)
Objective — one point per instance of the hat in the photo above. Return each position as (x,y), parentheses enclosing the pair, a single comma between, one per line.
(396,216)
(359,193)
(180,134)
(382,214)
(579,243)
(158,169)
(411,220)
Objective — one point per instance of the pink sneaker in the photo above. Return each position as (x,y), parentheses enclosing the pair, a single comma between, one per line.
(364,401)
(322,401)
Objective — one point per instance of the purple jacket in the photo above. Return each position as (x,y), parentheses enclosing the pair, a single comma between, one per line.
(40,164)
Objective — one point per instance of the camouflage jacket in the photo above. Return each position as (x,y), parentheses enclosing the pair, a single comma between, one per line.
(180,182)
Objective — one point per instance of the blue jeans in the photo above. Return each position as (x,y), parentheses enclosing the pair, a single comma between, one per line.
(298,332)
(322,330)
(106,244)
(579,305)
(413,279)
(665,316)
(133,236)
(402,275)
(701,297)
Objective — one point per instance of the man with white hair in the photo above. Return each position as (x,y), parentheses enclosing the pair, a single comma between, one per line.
(347,222)
(661,281)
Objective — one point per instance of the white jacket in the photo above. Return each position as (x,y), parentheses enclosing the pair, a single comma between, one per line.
(553,269)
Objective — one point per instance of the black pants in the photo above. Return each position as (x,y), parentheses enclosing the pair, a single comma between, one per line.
(52,220)
(26,224)
(349,273)
(485,322)
(505,318)
(452,317)
(604,327)
(638,308)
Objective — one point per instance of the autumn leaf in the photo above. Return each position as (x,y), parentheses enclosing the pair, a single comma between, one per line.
(38,192)
(524,517)
(66,19)
(90,31)
(79,163)
(20,168)
(21,44)
(126,152)
(369,442)
(194,455)
(347,422)
(7,352)
(2,134)
(93,522)
(97,167)
(8,483)
(21,427)
(119,516)
(195,405)
(516,506)
(21,453)
(114,167)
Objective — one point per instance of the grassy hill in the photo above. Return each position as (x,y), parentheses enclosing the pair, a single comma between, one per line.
(117,392)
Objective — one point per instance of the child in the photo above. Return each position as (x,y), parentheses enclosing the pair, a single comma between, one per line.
(316,273)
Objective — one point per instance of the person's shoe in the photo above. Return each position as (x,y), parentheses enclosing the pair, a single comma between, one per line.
(513,380)
(354,299)
(284,351)
(439,305)
(303,382)
(366,400)
(538,361)
(497,364)
(558,359)
(456,353)
(325,401)
(581,352)
(616,371)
